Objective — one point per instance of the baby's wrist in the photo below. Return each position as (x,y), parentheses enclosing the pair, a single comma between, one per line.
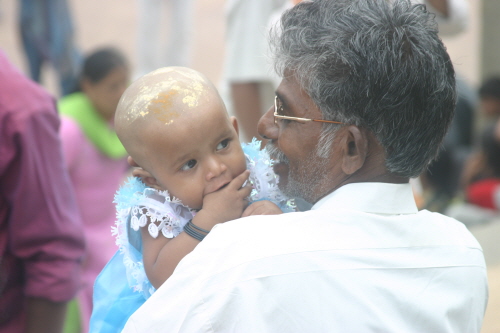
(205,220)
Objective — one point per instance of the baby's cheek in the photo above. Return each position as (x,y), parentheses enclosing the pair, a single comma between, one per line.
(196,204)
(189,196)
(242,165)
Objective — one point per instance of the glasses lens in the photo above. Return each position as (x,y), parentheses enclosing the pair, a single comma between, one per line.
(276,109)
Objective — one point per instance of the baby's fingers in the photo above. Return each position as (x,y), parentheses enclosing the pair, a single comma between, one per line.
(249,211)
(246,190)
(237,183)
(263,207)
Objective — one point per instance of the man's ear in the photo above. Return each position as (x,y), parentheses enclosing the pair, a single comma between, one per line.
(354,149)
(234,122)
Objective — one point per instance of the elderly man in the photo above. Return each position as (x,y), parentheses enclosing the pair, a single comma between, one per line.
(367,94)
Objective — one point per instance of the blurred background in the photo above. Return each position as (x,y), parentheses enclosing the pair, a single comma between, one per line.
(475,52)
(99,23)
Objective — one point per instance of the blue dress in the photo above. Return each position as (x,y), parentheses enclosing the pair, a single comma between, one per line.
(122,286)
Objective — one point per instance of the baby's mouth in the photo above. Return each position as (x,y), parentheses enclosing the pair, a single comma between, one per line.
(215,189)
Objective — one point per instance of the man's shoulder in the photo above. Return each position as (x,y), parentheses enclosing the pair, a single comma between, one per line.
(252,262)
(261,224)
(317,230)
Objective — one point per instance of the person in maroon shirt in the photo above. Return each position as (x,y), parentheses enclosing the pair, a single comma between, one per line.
(41,233)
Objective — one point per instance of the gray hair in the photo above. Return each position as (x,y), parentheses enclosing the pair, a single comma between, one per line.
(374,64)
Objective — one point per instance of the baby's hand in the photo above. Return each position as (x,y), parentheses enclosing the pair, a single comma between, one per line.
(225,204)
(263,207)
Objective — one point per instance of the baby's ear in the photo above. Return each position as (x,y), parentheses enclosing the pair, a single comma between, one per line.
(234,122)
(132,162)
(146,177)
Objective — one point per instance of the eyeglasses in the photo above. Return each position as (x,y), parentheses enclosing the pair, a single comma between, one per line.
(279,106)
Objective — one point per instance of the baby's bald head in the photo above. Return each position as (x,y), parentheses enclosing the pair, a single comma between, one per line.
(163,95)
(161,99)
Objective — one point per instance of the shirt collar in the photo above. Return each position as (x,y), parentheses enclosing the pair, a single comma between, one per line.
(378,198)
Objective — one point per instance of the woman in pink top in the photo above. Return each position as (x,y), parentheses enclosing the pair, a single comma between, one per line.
(96,160)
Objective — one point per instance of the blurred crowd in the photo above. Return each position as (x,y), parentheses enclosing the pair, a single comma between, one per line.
(463,180)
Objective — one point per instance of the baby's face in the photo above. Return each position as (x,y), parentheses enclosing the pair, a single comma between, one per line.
(174,124)
(197,154)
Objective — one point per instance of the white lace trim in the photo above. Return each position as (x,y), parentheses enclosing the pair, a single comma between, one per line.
(166,215)
(136,204)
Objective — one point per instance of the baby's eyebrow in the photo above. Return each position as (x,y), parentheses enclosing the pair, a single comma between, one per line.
(180,159)
(224,134)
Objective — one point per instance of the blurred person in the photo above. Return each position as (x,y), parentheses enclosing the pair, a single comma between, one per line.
(347,131)
(482,173)
(157,48)
(41,233)
(489,96)
(95,159)
(47,37)
(247,73)
(478,197)
(439,182)
(442,178)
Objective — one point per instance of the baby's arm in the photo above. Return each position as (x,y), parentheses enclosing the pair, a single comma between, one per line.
(161,255)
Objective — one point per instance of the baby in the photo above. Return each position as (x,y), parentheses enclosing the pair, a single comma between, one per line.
(194,173)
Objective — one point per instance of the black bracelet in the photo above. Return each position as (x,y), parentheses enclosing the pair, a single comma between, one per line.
(194,231)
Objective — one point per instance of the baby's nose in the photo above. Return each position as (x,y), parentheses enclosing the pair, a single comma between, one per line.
(215,168)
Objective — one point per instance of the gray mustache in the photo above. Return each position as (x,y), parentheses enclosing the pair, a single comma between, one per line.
(276,154)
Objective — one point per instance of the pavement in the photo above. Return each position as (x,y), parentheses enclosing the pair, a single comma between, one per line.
(113,22)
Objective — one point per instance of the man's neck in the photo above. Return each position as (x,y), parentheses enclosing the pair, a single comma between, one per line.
(385,177)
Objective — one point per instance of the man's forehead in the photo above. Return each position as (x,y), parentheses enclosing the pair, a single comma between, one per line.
(165,94)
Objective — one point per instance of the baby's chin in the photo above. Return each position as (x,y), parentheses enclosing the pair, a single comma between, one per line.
(194,205)
(198,208)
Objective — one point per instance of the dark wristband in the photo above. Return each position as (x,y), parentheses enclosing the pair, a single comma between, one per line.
(194,231)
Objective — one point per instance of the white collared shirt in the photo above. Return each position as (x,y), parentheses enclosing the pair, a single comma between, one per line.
(363,259)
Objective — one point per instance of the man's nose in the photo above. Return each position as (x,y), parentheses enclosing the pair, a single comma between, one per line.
(215,168)
(266,127)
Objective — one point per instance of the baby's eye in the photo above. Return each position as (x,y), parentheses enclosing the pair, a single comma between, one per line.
(223,144)
(189,165)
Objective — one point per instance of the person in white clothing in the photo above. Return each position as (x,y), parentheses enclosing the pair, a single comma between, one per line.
(366,97)
(248,76)
(156,47)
